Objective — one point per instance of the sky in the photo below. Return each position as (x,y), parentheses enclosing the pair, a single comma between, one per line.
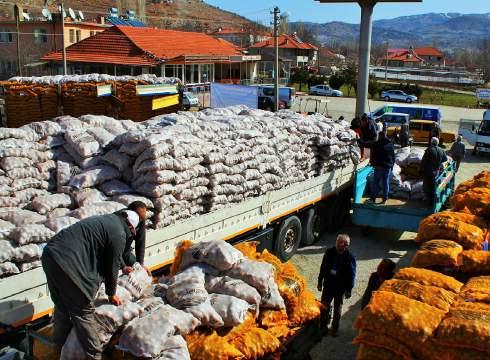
(311,10)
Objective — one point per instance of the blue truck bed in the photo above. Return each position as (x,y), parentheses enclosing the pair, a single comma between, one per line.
(404,215)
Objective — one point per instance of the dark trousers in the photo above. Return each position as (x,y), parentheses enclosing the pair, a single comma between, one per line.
(429,184)
(381,176)
(457,162)
(72,309)
(338,300)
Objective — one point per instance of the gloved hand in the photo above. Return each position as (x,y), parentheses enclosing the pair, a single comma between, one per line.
(348,294)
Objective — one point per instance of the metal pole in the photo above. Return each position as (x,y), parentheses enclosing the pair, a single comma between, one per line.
(276,13)
(17,25)
(386,61)
(62,8)
(367,7)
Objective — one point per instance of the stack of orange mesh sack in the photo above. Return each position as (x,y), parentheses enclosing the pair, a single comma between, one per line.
(258,335)
(457,239)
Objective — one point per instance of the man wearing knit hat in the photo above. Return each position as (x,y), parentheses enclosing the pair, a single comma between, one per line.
(76,261)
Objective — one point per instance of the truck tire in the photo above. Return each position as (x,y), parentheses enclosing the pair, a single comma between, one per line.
(288,237)
(311,224)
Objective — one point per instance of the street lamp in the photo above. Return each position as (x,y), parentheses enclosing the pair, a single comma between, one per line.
(367,7)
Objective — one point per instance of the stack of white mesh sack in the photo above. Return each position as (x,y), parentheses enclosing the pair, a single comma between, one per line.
(60,79)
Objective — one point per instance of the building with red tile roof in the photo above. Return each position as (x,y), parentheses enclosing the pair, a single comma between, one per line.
(293,52)
(192,57)
(423,56)
(240,37)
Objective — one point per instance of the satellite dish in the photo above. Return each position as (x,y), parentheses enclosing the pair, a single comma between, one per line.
(80,15)
(26,16)
(47,14)
(72,14)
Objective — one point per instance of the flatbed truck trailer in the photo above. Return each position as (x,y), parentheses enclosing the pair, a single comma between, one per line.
(279,220)
(403,215)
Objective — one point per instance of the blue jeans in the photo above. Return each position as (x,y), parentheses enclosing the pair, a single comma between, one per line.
(381,175)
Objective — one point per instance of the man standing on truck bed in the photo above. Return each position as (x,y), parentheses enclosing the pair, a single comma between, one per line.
(336,279)
(383,160)
(432,160)
(76,261)
(129,259)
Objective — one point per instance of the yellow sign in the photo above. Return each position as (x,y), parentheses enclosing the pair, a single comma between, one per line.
(104,90)
(164,102)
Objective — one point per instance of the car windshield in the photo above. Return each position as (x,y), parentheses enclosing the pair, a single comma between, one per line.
(484,128)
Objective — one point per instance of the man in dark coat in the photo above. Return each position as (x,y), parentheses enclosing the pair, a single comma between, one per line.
(432,160)
(336,279)
(76,261)
(383,160)
(385,271)
(404,134)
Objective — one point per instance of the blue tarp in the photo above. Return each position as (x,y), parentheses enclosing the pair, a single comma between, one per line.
(223,95)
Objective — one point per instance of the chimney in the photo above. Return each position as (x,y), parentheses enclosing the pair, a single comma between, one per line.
(102,20)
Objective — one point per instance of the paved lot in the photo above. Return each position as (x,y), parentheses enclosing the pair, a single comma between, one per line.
(369,250)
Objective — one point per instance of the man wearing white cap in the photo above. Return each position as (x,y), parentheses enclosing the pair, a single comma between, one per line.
(76,261)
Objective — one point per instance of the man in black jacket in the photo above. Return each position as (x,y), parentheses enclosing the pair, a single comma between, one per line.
(383,160)
(129,259)
(432,160)
(76,261)
(336,279)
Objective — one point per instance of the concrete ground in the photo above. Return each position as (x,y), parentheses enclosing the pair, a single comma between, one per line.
(370,249)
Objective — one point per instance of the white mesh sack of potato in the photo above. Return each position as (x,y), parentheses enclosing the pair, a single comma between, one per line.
(231,309)
(138,338)
(44,204)
(217,253)
(32,233)
(234,287)
(186,288)
(136,282)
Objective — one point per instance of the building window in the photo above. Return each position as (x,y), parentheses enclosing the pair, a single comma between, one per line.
(5,36)
(173,71)
(40,36)
(79,35)
(72,36)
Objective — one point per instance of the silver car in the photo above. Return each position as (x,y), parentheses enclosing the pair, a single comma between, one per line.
(324,90)
(398,95)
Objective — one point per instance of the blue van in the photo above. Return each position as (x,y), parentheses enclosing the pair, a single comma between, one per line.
(416,112)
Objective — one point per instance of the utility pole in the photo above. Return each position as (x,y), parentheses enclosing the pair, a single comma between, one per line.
(17,26)
(62,14)
(276,13)
(386,61)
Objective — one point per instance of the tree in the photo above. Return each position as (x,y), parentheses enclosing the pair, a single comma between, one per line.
(350,77)
(300,76)
(336,81)
(374,87)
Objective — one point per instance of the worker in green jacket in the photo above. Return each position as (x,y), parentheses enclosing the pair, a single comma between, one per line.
(76,261)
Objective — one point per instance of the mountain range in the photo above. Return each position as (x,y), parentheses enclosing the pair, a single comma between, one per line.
(447,31)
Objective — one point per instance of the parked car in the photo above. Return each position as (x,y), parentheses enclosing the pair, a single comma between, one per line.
(324,90)
(190,100)
(398,95)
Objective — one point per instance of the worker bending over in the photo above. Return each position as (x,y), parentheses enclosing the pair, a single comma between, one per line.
(76,261)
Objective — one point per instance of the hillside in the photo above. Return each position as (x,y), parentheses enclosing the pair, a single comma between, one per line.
(447,31)
(184,14)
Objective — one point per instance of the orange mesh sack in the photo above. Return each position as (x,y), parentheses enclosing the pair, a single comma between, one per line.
(469,236)
(248,248)
(477,289)
(307,309)
(181,248)
(211,347)
(432,350)
(476,201)
(270,318)
(238,330)
(475,262)
(281,332)
(255,343)
(430,278)
(404,319)
(367,352)
(480,180)
(461,216)
(291,285)
(467,326)
(367,337)
(437,252)
(430,295)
